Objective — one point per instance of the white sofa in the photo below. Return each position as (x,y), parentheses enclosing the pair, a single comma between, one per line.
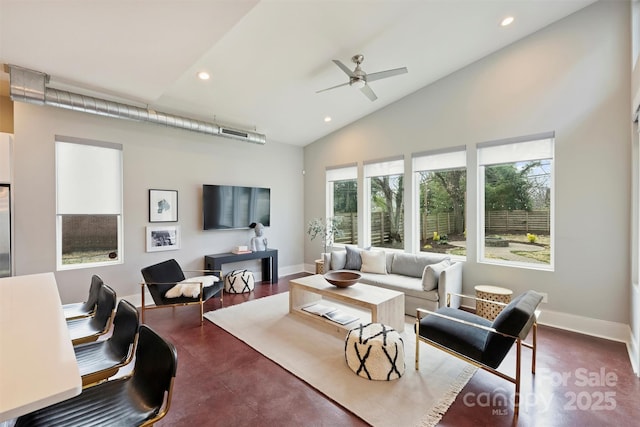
(404,272)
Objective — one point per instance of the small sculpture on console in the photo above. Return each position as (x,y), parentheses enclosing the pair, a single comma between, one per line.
(259,242)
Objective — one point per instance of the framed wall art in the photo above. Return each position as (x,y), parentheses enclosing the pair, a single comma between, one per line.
(163,238)
(163,205)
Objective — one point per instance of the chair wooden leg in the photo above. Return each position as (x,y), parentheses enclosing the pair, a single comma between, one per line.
(201,312)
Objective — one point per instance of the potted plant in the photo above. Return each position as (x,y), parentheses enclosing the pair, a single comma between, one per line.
(327,230)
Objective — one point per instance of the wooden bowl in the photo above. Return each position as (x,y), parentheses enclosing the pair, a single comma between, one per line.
(342,278)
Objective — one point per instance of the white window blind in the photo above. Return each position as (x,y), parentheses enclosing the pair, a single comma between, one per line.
(342,173)
(512,151)
(384,168)
(88,178)
(440,160)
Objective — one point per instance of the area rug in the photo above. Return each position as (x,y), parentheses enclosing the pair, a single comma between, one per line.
(316,355)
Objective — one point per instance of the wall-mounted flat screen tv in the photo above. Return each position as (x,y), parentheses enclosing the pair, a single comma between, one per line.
(230,206)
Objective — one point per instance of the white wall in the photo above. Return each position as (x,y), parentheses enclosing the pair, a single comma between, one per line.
(154,157)
(573,78)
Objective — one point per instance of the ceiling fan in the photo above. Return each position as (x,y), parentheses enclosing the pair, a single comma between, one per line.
(360,79)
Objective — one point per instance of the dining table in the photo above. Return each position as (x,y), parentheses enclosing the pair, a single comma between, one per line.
(37,363)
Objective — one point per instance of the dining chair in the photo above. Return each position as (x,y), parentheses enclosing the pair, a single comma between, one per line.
(99,360)
(163,278)
(89,329)
(141,398)
(77,310)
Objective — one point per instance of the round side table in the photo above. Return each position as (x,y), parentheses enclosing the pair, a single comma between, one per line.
(492,293)
(319,266)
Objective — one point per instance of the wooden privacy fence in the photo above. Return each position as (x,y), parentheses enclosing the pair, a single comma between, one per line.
(380,228)
(496,222)
(444,223)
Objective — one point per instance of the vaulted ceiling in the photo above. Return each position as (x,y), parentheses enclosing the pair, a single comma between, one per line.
(266,58)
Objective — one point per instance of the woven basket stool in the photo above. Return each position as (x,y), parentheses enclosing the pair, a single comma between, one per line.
(491,293)
(375,352)
(239,281)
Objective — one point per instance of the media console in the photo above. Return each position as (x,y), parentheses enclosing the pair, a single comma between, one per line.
(269,262)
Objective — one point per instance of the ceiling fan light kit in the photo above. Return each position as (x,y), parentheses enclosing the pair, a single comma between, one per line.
(359,79)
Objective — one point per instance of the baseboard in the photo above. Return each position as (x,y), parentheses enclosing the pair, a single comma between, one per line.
(585,325)
(634,356)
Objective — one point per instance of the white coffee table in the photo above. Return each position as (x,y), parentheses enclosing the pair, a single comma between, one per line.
(386,306)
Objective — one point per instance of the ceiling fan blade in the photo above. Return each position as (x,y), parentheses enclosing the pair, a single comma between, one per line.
(332,87)
(384,74)
(344,68)
(368,92)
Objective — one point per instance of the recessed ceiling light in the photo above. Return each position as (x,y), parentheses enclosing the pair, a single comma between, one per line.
(507,21)
(203,75)
(327,119)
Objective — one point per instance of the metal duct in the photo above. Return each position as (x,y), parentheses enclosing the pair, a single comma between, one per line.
(30,86)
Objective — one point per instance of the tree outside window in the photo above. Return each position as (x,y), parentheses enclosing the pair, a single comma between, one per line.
(442,211)
(387,211)
(345,209)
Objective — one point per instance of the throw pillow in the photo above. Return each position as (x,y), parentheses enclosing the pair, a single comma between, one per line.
(431,274)
(354,260)
(338,260)
(190,287)
(373,262)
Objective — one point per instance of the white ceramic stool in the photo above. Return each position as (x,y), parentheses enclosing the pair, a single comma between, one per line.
(239,281)
(375,352)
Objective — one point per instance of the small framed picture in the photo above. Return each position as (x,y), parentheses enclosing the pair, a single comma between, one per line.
(163,205)
(163,238)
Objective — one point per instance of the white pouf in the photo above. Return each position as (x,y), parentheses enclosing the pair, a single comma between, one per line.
(375,351)
(239,281)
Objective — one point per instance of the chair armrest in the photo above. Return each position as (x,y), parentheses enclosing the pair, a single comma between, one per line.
(158,283)
(453,319)
(477,299)
(202,271)
(450,282)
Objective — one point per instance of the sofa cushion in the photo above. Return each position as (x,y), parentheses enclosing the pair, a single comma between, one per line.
(389,256)
(338,260)
(410,286)
(373,262)
(354,260)
(431,274)
(413,265)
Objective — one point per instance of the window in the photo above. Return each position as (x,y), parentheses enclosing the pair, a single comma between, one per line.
(88,203)
(385,205)
(342,202)
(441,191)
(516,201)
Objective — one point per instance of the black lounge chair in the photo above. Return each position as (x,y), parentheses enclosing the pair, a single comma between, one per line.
(479,341)
(161,277)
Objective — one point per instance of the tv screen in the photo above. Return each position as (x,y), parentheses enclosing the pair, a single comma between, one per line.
(230,206)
